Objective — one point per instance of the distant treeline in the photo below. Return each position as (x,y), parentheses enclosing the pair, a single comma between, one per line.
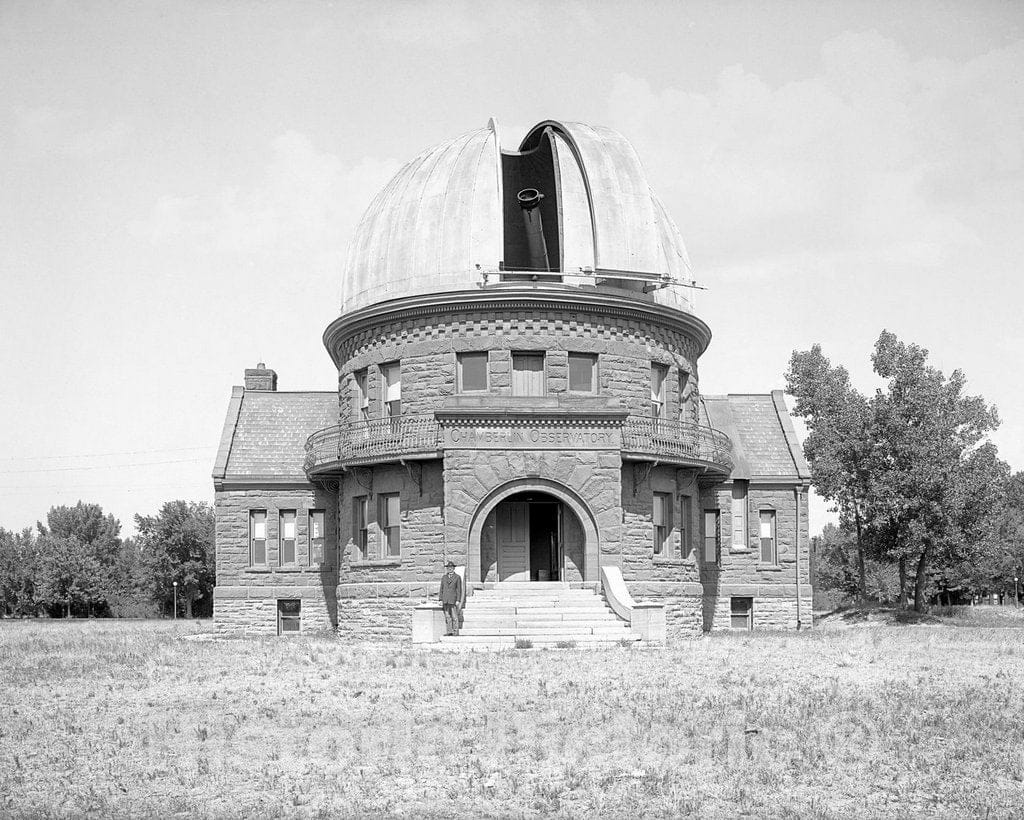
(77,564)
(927,509)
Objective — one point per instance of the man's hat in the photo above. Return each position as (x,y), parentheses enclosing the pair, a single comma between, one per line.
(450,564)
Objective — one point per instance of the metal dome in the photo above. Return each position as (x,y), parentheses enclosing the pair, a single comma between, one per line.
(450,220)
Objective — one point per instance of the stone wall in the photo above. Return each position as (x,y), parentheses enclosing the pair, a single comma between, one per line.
(421,495)
(231,533)
(427,353)
(252,610)
(472,478)
(245,596)
(774,607)
(378,618)
(678,560)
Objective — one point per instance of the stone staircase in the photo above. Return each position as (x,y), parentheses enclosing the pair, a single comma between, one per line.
(546,613)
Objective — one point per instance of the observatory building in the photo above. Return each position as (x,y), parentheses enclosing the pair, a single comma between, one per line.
(518,392)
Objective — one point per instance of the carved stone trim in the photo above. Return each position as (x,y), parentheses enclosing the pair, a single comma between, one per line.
(550,297)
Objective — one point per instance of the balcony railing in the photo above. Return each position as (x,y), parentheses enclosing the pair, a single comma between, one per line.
(374,441)
(419,436)
(677,441)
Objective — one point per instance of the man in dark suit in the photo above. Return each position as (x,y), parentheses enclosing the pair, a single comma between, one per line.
(450,595)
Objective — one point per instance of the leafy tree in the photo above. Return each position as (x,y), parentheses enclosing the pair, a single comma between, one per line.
(99,536)
(839,441)
(910,469)
(930,473)
(178,546)
(18,565)
(67,573)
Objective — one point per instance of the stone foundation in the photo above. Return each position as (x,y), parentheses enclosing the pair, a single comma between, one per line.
(377,619)
(248,611)
(770,611)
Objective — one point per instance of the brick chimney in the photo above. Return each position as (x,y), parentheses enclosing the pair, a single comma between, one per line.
(260,378)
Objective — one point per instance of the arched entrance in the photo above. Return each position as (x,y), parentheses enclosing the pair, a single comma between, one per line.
(533,530)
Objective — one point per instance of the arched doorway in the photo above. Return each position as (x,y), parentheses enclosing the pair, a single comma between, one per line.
(533,530)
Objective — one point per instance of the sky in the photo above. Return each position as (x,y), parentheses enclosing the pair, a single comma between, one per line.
(179,181)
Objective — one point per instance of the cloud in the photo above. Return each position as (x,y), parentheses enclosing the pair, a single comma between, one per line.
(303,206)
(878,158)
(47,131)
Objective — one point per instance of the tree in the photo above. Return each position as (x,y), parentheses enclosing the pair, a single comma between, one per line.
(67,573)
(18,565)
(98,536)
(177,545)
(839,441)
(928,469)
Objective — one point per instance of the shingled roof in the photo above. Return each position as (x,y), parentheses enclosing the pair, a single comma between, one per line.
(764,441)
(265,433)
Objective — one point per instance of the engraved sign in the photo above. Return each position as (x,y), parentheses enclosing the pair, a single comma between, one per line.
(484,436)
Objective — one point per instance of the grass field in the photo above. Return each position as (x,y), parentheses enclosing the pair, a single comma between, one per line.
(151,719)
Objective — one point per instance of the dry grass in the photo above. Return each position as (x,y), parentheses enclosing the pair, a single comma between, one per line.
(135,720)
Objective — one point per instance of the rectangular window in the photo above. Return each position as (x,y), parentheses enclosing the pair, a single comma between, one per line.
(317,519)
(685,526)
(362,397)
(389,518)
(741,613)
(527,374)
(662,524)
(739,515)
(472,372)
(391,395)
(286,532)
(711,524)
(659,375)
(768,552)
(582,373)
(360,531)
(289,616)
(258,537)
(684,380)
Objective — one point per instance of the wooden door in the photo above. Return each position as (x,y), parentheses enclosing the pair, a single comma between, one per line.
(513,541)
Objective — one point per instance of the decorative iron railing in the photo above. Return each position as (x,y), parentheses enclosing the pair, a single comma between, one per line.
(677,441)
(373,441)
(411,436)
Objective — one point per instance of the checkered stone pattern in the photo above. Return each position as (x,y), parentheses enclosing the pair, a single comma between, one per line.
(427,353)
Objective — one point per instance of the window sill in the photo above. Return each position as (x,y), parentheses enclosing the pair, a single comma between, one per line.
(734,550)
(769,568)
(383,562)
(672,561)
(285,570)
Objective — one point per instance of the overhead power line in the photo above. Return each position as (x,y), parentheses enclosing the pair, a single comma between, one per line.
(110,453)
(102,466)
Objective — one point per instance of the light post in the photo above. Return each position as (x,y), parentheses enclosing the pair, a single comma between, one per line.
(175,585)
(1016,595)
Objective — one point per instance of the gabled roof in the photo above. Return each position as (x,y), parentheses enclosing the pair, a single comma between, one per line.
(265,433)
(764,441)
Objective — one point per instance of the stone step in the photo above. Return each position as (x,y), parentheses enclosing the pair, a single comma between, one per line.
(531,585)
(557,626)
(534,602)
(499,642)
(531,615)
(570,595)
(548,632)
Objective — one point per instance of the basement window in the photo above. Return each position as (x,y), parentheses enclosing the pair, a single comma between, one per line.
(289,616)
(741,613)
